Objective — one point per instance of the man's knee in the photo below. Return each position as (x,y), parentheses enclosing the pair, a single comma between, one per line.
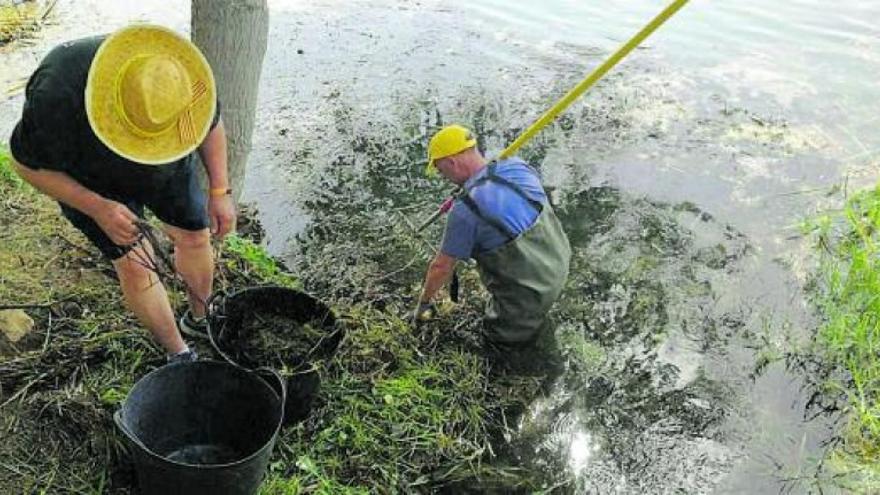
(190,239)
(132,271)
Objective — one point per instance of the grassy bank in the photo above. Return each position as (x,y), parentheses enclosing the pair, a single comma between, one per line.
(398,410)
(847,292)
(59,384)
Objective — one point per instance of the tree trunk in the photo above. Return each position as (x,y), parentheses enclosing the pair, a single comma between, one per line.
(233,35)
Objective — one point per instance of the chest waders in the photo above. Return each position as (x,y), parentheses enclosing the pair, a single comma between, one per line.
(526,274)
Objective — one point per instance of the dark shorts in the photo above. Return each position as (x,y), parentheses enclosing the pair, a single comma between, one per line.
(178,201)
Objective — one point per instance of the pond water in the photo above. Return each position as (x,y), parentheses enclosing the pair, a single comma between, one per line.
(680,179)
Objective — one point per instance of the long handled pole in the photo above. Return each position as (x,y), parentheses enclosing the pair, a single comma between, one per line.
(598,73)
(563,103)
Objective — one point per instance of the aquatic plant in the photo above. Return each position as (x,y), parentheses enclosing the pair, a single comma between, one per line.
(847,295)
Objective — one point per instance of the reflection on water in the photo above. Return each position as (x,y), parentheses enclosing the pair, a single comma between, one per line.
(643,287)
(580,450)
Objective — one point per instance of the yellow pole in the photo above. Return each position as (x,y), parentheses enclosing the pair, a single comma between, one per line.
(591,79)
(572,95)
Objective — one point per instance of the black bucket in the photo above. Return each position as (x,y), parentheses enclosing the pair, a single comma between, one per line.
(205,427)
(228,315)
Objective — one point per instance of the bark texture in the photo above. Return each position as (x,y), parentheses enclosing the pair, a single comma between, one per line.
(233,36)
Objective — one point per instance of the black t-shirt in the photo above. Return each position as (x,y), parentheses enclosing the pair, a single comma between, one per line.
(54,131)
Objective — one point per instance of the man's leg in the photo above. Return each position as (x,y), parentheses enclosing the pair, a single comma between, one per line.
(194,261)
(145,296)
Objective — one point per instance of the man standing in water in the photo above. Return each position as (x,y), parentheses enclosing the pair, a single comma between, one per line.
(504,221)
(110,125)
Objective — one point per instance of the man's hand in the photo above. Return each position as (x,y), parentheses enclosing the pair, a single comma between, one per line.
(117,221)
(221,210)
(423,312)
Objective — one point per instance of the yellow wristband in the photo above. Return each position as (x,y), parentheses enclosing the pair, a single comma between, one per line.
(218,192)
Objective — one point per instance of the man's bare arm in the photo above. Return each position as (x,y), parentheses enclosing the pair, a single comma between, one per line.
(213,153)
(221,209)
(439,272)
(114,218)
(61,187)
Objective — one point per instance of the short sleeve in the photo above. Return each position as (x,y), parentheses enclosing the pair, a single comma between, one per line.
(461,233)
(44,136)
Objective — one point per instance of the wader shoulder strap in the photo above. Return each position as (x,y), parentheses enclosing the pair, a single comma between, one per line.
(494,177)
(475,209)
(491,176)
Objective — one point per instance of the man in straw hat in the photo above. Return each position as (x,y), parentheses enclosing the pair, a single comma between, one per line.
(503,221)
(110,125)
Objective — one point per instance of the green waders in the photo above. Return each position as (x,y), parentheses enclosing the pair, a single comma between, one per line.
(525,275)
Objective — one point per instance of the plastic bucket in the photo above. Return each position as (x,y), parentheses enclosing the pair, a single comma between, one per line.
(205,427)
(229,313)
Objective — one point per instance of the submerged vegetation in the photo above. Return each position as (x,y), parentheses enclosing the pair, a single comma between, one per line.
(847,293)
(639,309)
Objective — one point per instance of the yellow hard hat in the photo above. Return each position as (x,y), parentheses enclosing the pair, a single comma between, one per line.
(448,141)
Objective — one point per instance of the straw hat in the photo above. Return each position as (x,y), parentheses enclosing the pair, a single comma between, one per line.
(150,95)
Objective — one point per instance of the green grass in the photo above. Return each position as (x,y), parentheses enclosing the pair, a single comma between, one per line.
(392,419)
(252,260)
(848,297)
(8,177)
(83,356)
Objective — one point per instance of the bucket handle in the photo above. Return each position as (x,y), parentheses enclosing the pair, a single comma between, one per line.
(218,297)
(120,423)
(261,372)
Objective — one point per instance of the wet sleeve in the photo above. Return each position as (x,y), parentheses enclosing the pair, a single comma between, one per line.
(461,233)
(44,137)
